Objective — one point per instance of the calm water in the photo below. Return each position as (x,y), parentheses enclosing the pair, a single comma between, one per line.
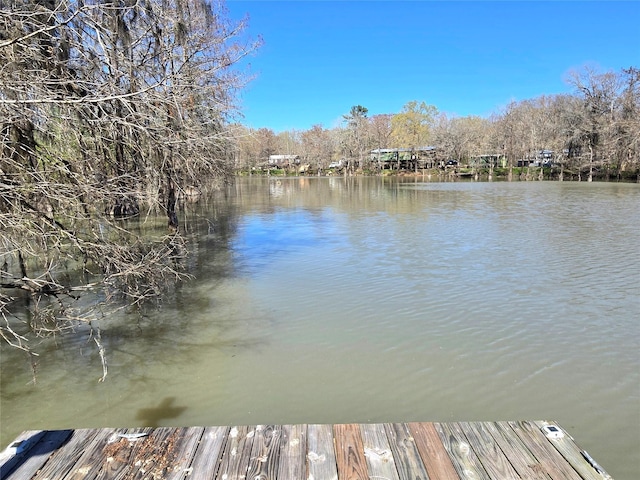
(329,300)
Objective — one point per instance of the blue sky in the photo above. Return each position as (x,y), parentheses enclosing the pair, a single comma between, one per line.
(319,58)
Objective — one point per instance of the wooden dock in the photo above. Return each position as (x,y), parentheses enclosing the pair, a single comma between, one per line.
(399,451)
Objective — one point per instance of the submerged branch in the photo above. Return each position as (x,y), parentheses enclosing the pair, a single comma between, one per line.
(102,353)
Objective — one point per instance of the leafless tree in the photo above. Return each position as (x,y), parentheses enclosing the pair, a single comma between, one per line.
(626,129)
(598,93)
(317,146)
(106,108)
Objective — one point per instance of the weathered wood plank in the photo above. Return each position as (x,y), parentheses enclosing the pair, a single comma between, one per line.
(377,452)
(293,449)
(570,451)
(321,455)
(104,451)
(406,455)
(183,453)
(434,456)
(39,454)
(488,451)
(93,455)
(236,454)
(548,457)
(518,454)
(63,459)
(207,456)
(414,451)
(463,457)
(18,450)
(158,454)
(263,464)
(352,465)
(153,456)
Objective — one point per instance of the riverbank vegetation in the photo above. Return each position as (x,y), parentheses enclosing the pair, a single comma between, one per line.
(592,133)
(107,111)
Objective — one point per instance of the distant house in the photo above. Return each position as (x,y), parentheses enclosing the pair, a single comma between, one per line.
(283,160)
(538,158)
(419,157)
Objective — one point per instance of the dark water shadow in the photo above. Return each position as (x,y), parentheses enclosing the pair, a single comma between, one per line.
(153,415)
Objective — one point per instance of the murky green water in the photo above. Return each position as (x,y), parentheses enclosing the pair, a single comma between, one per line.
(329,300)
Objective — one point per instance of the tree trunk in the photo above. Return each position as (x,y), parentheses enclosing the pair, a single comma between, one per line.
(171,205)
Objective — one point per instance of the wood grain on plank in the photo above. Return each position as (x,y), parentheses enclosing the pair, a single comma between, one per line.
(548,457)
(434,456)
(39,454)
(517,452)
(491,456)
(265,453)
(293,450)
(321,455)
(184,450)
(352,464)
(377,452)
(151,456)
(463,457)
(235,457)
(93,454)
(208,452)
(406,455)
(63,460)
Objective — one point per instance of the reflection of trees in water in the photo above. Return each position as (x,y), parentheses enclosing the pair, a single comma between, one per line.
(92,321)
(351,195)
(294,219)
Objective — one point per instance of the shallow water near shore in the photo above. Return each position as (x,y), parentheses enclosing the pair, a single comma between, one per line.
(334,300)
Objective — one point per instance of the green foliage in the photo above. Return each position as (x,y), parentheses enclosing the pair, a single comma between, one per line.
(411,128)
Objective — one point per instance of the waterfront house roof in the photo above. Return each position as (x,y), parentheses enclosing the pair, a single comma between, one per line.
(283,157)
(394,150)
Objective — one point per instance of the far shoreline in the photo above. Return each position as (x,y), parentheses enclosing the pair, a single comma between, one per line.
(456,174)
